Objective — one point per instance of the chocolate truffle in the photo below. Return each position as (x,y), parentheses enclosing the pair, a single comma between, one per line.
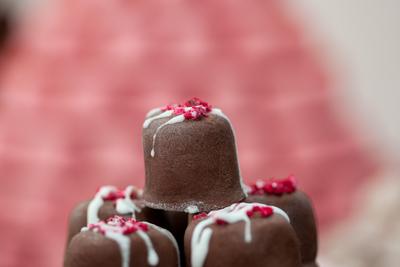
(122,242)
(190,159)
(243,234)
(284,194)
(109,201)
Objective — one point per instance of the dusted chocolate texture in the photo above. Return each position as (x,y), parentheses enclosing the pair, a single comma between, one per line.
(92,249)
(273,244)
(299,209)
(195,166)
(78,216)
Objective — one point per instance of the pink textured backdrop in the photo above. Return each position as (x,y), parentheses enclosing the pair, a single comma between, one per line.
(78,78)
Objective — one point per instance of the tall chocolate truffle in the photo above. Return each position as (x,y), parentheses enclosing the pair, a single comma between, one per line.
(242,234)
(285,195)
(122,242)
(190,159)
(110,201)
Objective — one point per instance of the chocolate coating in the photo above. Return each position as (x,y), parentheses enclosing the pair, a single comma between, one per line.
(195,163)
(90,249)
(78,216)
(299,209)
(273,244)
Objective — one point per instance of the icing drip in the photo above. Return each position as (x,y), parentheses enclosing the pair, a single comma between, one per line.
(152,257)
(194,109)
(118,229)
(192,209)
(153,112)
(165,114)
(232,214)
(124,244)
(177,119)
(97,202)
(124,203)
(170,237)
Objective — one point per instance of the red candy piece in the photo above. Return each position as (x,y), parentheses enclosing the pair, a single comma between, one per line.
(264,211)
(274,186)
(221,222)
(200,216)
(112,196)
(192,109)
(127,225)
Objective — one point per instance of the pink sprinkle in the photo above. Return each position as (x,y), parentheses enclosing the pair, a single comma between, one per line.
(200,216)
(114,195)
(221,222)
(263,211)
(123,225)
(274,187)
(193,109)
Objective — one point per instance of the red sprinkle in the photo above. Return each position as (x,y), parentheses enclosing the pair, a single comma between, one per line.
(200,216)
(221,222)
(274,186)
(126,225)
(192,109)
(112,196)
(264,211)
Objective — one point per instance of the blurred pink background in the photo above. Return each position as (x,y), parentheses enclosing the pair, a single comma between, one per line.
(77,78)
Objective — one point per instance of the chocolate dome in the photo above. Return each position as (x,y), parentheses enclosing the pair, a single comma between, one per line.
(242,235)
(110,201)
(190,159)
(122,242)
(285,195)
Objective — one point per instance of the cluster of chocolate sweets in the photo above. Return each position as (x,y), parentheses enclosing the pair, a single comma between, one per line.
(195,209)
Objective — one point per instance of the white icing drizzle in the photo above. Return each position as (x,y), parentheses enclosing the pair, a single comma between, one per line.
(192,209)
(115,233)
(97,202)
(176,119)
(165,114)
(152,112)
(232,214)
(152,257)
(170,236)
(124,244)
(123,241)
(218,112)
(126,205)
(123,205)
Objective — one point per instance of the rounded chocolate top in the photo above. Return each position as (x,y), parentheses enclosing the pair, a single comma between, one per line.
(122,242)
(284,194)
(190,159)
(242,234)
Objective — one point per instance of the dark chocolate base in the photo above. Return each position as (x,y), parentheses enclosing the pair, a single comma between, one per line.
(78,216)
(274,244)
(90,249)
(299,209)
(195,164)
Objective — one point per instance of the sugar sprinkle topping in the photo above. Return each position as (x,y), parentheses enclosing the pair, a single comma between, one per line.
(119,228)
(273,186)
(239,212)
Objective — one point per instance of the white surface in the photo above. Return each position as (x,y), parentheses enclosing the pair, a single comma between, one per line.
(361,41)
